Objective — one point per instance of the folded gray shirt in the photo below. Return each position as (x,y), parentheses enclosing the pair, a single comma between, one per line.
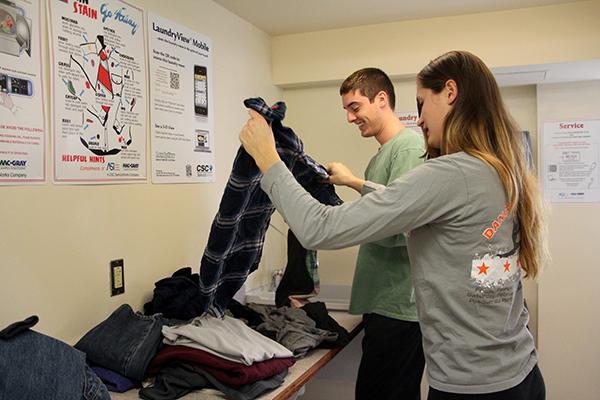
(226,337)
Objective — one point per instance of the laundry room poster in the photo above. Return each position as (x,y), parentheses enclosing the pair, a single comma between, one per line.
(570,154)
(182,133)
(22,122)
(99,91)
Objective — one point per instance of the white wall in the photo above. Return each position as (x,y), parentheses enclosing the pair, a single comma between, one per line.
(57,241)
(569,326)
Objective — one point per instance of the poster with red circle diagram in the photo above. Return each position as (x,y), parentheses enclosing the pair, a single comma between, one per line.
(99,91)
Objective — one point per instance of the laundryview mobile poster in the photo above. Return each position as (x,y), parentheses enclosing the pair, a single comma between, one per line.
(181,91)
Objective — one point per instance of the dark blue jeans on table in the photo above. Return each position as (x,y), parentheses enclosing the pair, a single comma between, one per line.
(237,233)
(125,342)
(34,366)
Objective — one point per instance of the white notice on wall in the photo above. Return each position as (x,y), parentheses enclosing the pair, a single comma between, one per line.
(570,155)
(182,133)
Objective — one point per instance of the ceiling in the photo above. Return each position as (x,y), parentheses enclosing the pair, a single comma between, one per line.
(281,17)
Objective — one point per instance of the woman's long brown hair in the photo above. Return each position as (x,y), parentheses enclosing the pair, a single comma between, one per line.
(479,125)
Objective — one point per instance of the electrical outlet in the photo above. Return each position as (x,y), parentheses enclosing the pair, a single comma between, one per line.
(117,277)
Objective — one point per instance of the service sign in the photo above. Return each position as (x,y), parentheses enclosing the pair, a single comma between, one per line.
(570,156)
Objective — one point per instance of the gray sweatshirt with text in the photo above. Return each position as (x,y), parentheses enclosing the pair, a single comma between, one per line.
(464,262)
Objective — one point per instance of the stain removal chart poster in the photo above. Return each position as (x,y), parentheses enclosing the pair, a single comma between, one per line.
(99,91)
(571,153)
(181,103)
(22,123)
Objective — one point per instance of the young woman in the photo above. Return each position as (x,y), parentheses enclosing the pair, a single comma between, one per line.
(472,213)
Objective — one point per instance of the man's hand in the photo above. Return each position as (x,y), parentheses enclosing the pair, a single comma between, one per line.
(339,174)
(257,138)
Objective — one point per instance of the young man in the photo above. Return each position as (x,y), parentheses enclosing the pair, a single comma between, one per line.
(392,362)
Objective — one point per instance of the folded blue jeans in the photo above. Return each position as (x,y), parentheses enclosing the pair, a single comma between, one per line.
(34,366)
(125,342)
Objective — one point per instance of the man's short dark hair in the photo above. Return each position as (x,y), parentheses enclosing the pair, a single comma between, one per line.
(370,81)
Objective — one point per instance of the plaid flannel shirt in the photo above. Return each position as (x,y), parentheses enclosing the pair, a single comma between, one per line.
(237,233)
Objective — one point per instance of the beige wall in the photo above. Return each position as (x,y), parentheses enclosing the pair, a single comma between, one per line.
(564,32)
(58,240)
(569,326)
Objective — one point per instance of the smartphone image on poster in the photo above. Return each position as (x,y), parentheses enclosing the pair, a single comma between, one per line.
(202,141)
(200,91)
(18,86)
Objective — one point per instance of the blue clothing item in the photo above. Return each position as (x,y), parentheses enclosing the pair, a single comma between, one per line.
(125,342)
(237,234)
(34,366)
(114,381)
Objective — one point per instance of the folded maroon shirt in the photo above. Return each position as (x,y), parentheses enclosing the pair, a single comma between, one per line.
(226,371)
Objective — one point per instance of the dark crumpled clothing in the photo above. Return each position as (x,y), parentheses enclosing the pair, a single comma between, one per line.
(177,380)
(177,296)
(18,327)
(301,278)
(245,313)
(292,328)
(318,313)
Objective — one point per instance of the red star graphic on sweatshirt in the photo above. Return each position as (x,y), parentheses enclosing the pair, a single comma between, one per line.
(507,267)
(483,269)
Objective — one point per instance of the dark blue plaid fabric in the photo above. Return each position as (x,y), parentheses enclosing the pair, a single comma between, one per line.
(237,234)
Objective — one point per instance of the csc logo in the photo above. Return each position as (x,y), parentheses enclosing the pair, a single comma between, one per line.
(204,168)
